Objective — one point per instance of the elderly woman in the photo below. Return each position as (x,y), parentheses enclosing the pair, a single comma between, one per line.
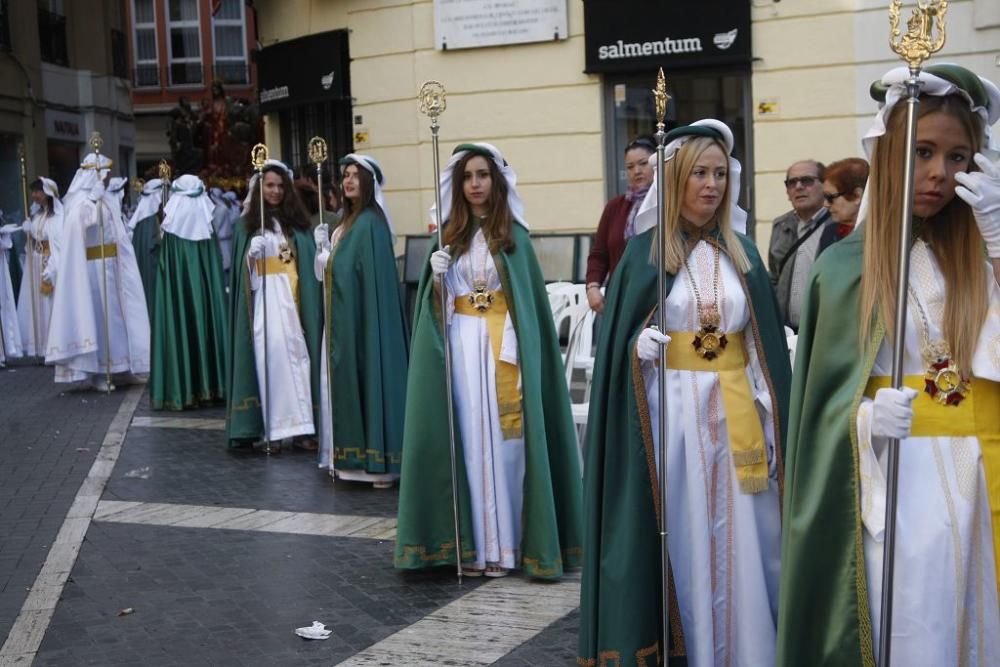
(280,261)
(727,378)
(845,409)
(843,187)
(617,223)
(519,475)
(365,338)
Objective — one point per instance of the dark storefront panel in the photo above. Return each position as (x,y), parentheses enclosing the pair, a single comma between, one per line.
(306,70)
(628,35)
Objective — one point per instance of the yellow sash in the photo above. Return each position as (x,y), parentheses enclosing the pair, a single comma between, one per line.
(746,435)
(94,251)
(978,415)
(507,375)
(277,265)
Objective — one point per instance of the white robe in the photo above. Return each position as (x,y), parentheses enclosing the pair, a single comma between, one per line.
(326,410)
(494,466)
(34,309)
(724,544)
(290,411)
(77,341)
(9,331)
(945,607)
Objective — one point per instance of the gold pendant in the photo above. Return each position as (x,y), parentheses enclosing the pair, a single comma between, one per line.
(481,298)
(709,342)
(944,383)
(285,253)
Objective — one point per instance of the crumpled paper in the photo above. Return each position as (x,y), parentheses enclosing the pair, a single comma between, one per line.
(315,631)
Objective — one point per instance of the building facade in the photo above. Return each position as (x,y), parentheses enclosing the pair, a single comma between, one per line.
(177,50)
(63,75)
(790,78)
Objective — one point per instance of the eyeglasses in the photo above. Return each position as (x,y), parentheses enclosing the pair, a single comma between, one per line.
(805,181)
(830,196)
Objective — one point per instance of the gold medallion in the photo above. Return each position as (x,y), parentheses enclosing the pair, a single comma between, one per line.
(944,383)
(709,342)
(285,253)
(481,298)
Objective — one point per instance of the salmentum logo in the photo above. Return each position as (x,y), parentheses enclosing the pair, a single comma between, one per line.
(723,40)
(621,49)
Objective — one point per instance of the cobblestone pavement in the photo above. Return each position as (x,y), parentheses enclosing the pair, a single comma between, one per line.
(144,591)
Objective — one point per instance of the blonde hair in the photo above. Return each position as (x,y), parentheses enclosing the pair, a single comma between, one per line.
(951,234)
(675,176)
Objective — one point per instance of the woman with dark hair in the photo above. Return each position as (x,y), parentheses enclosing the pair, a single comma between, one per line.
(843,186)
(945,415)
(286,253)
(364,343)
(617,223)
(34,309)
(518,468)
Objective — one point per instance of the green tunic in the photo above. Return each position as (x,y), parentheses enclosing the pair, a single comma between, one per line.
(146,242)
(620,593)
(244,418)
(188,362)
(367,348)
(823,567)
(551,534)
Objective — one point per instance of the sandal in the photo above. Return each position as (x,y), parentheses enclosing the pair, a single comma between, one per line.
(382,485)
(472,571)
(496,571)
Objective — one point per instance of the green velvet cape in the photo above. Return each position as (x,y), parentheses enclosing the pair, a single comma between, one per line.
(244,418)
(620,592)
(188,361)
(146,242)
(551,531)
(367,348)
(823,613)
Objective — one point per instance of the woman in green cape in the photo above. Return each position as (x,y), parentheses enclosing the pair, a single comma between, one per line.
(144,228)
(294,317)
(188,361)
(727,380)
(518,472)
(361,428)
(946,415)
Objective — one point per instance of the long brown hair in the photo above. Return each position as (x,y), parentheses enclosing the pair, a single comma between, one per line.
(675,176)
(498,225)
(366,183)
(951,234)
(290,213)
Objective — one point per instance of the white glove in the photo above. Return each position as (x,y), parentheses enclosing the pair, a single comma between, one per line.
(322,236)
(49,274)
(648,345)
(981,191)
(258,246)
(440,261)
(97,192)
(892,412)
(26,226)
(10,228)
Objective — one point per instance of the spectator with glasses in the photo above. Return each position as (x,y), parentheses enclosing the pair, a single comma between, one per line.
(842,189)
(795,236)
(617,223)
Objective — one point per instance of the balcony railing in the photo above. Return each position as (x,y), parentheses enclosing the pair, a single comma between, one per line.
(186,74)
(146,76)
(52,37)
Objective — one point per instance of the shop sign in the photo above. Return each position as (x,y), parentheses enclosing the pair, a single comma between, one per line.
(634,35)
(465,24)
(63,125)
(304,71)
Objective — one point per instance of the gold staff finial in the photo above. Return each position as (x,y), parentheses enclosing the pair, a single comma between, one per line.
(317,150)
(660,99)
(258,156)
(163,170)
(924,31)
(96,141)
(432,99)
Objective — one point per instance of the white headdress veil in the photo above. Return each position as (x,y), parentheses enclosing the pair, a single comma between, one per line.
(514,201)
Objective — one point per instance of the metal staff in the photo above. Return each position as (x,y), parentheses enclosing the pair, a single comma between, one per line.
(660,99)
(914,47)
(96,142)
(432,104)
(163,170)
(36,278)
(317,155)
(258,157)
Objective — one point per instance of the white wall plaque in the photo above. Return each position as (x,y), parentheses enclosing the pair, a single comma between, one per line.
(464,24)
